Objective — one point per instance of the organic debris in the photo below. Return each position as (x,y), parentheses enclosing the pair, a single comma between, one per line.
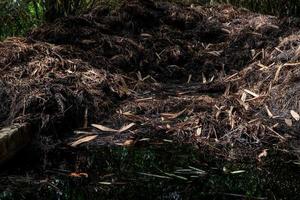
(83,140)
(200,74)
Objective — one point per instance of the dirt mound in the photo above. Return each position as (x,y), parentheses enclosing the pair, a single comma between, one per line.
(198,73)
(40,86)
(160,40)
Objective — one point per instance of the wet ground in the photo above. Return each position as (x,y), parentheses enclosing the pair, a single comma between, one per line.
(161,171)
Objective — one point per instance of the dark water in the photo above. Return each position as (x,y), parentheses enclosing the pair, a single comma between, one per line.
(166,172)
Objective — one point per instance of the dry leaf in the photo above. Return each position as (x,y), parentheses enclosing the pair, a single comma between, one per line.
(127,113)
(262,67)
(277,73)
(218,114)
(126,127)
(288,122)
(252,52)
(203,78)
(189,78)
(107,129)
(83,140)
(277,134)
(146,35)
(144,99)
(231,117)
(128,143)
(245,105)
(244,96)
(269,112)
(292,64)
(104,128)
(172,115)
(227,90)
(295,115)
(251,93)
(74,174)
(238,172)
(199,131)
(264,153)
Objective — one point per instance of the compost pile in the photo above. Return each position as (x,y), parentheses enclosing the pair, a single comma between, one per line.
(202,74)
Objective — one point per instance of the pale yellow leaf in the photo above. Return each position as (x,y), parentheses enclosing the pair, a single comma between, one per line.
(128,143)
(199,131)
(146,35)
(79,175)
(295,115)
(251,93)
(238,172)
(203,78)
(288,122)
(277,73)
(244,96)
(104,128)
(125,128)
(264,153)
(269,112)
(83,140)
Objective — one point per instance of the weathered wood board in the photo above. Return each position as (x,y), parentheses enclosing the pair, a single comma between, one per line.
(13,139)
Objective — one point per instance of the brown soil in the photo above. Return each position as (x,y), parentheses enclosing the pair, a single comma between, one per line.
(208,75)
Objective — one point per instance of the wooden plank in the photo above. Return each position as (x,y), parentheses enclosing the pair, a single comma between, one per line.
(13,139)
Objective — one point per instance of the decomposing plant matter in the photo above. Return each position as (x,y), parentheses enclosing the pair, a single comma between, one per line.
(198,74)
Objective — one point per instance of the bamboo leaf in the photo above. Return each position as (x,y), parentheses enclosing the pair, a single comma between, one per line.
(83,140)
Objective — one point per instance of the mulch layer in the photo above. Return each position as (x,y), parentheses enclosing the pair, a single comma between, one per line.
(215,76)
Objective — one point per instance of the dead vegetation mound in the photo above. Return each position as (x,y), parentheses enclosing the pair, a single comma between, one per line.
(198,73)
(39,86)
